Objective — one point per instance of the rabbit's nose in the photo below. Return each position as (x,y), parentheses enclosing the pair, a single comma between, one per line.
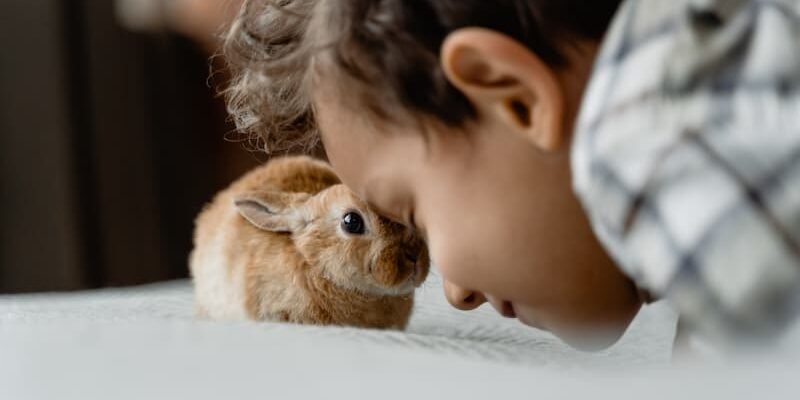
(461,298)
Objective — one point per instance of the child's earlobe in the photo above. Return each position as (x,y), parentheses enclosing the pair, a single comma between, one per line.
(506,82)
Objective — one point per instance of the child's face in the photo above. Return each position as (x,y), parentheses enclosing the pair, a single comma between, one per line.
(500,219)
(499,215)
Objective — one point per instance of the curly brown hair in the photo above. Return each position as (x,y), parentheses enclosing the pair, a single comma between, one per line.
(387,51)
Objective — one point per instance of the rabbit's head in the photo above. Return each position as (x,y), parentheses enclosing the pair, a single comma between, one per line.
(341,238)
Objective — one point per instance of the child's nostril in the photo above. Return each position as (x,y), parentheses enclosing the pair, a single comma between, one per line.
(469,299)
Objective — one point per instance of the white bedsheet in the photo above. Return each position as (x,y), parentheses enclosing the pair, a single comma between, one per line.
(143,342)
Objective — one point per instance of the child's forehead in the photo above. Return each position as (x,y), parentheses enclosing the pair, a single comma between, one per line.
(365,108)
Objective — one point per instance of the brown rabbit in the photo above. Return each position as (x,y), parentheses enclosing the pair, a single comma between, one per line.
(287,242)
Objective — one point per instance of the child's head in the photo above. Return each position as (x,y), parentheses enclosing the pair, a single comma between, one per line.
(454,116)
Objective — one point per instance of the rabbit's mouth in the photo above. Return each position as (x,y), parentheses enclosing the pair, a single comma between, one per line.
(397,272)
(417,270)
(421,266)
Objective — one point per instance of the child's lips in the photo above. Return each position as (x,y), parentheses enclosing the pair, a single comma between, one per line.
(508,310)
(504,308)
(531,321)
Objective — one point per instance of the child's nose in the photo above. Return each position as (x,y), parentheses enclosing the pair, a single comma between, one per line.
(461,298)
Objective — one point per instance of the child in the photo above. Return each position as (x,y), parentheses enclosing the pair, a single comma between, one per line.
(478,121)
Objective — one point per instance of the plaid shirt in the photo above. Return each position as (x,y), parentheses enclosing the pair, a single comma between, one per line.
(687,159)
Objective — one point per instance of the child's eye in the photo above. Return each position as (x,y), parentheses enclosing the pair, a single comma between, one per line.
(353,223)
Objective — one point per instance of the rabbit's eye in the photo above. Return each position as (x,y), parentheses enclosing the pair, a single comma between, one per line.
(353,223)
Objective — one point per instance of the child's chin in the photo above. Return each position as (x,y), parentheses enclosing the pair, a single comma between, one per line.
(582,336)
(592,339)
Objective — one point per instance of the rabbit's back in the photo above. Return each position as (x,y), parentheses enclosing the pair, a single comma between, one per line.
(233,263)
(214,263)
(299,174)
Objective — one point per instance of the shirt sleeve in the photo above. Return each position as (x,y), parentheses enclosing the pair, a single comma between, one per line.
(686,157)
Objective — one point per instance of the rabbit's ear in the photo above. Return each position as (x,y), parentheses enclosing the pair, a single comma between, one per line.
(274,211)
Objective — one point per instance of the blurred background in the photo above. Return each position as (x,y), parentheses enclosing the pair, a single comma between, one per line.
(112,138)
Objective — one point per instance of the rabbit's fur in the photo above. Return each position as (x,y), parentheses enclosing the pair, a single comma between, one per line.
(273,247)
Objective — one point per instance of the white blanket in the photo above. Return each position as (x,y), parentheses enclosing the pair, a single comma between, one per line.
(143,342)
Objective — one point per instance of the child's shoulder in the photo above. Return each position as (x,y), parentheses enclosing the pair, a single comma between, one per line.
(686,155)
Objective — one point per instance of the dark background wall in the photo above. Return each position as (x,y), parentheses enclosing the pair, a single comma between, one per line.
(110,142)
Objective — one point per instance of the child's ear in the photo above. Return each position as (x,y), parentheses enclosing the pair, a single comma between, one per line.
(506,81)
(274,211)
